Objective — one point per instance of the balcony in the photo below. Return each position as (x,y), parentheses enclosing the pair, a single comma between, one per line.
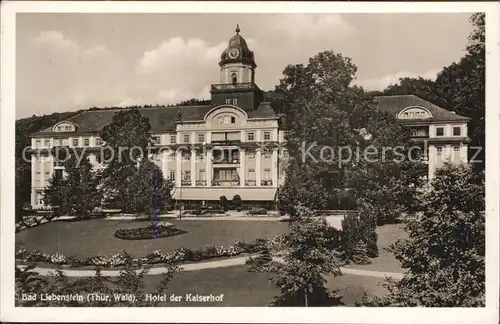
(201,182)
(228,86)
(250,183)
(186,183)
(266,182)
(226,143)
(225,161)
(226,183)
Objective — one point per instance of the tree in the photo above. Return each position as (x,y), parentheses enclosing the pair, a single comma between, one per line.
(149,191)
(445,251)
(423,88)
(223,203)
(330,111)
(127,137)
(307,259)
(77,193)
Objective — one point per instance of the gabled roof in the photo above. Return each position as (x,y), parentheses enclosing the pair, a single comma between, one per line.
(395,104)
(161,118)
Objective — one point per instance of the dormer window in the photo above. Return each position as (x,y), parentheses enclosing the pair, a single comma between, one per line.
(64,126)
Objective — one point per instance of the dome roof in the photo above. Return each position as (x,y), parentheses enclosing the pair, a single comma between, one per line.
(242,52)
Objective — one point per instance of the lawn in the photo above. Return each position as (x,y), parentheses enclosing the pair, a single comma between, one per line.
(243,288)
(96,237)
(387,234)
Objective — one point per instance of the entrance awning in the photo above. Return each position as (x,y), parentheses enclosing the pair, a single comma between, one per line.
(214,193)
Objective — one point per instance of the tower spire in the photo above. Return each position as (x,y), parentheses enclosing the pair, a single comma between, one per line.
(237,29)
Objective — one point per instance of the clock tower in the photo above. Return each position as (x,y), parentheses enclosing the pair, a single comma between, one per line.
(237,76)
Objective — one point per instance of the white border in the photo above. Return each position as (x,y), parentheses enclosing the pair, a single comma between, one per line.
(489,314)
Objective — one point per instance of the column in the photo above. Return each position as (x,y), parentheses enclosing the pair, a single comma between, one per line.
(193,167)
(33,180)
(164,164)
(258,155)
(242,167)
(178,171)
(274,167)
(208,171)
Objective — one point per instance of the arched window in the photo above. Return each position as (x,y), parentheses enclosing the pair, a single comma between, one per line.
(233,120)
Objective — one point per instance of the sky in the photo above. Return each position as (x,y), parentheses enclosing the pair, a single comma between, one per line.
(66,62)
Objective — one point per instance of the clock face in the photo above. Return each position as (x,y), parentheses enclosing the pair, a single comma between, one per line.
(233,53)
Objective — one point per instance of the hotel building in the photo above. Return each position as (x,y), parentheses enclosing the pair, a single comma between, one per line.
(227,147)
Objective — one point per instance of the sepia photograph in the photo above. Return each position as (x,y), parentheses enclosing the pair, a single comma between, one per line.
(289,160)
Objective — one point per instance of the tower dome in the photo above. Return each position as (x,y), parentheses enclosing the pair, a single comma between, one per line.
(237,51)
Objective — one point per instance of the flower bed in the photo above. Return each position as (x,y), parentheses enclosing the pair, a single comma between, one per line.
(162,229)
(181,255)
(29,222)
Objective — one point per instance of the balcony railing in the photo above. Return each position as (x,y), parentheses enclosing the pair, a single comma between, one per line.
(225,161)
(227,143)
(225,183)
(225,86)
(185,182)
(266,182)
(250,183)
(201,182)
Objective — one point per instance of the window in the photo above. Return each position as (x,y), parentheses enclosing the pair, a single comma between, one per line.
(457,131)
(98,141)
(251,136)
(220,120)
(267,174)
(201,138)
(234,78)
(58,142)
(251,174)
(47,174)
(285,154)
(186,156)
(47,143)
(235,101)
(227,119)
(439,131)
(171,175)
(75,141)
(233,120)
(156,139)
(186,175)
(201,174)
(38,143)
(58,128)
(86,142)
(173,139)
(456,148)
(186,138)
(228,100)
(267,136)
(439,150)
(405,115)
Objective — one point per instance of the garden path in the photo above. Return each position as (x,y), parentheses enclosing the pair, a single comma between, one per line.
(210,265)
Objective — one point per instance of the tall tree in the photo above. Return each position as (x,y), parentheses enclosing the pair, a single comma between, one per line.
(76,194)
(331,112)
(461,87)
(149,190)
(423,88)
(126,139)
(308,259)
(445,250)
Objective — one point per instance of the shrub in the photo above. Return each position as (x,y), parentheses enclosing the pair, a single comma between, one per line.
(237,202)
(356,233)
(257,211)
(223,203)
